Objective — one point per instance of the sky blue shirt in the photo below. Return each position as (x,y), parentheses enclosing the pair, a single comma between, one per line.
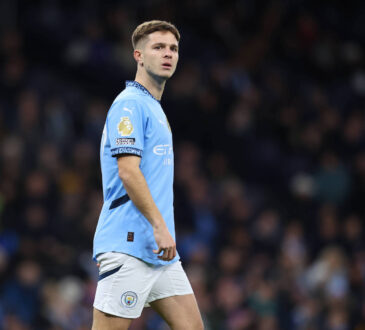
(135,125)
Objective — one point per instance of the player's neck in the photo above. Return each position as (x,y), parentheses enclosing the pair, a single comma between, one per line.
(154,86)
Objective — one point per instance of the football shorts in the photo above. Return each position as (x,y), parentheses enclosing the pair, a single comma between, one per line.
(127,284)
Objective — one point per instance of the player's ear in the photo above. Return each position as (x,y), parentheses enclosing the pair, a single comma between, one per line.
(138,56)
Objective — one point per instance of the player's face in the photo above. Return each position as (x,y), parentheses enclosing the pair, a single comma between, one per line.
(160,54)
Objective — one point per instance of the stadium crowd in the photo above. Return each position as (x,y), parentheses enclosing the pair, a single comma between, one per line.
(267,112)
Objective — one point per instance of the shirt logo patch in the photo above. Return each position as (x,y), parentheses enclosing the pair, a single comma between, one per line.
(129,299)
(130,236)
(125,126)
(125,141)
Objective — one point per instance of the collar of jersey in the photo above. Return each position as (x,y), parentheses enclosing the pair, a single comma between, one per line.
(133,83)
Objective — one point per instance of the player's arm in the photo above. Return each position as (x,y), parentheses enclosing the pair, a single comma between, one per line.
(137,189)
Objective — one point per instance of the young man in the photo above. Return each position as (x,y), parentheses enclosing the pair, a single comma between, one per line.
(134,241)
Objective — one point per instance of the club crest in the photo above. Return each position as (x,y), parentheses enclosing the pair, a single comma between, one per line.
(129,299)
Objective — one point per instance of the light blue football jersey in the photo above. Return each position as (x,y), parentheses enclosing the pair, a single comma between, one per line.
(135,125)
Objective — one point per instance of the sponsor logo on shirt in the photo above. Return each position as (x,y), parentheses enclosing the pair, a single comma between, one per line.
(125,126)
(162,150)
(125,141)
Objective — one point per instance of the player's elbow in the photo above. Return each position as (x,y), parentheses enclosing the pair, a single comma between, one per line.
(126,173)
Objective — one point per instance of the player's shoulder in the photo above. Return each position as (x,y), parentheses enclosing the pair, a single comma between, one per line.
(126,102)
(126,97)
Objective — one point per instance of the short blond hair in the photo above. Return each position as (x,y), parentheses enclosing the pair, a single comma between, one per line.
(146,28)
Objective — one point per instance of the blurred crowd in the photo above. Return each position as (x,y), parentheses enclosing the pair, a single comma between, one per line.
(267,112)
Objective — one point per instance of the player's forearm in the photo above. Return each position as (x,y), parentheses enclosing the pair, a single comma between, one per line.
(137,189)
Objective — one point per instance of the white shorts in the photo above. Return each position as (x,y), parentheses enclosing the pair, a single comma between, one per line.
(127,284)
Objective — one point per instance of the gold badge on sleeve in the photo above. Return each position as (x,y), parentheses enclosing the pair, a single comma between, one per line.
(125,126)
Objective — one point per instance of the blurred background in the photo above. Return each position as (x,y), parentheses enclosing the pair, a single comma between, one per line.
(267,111)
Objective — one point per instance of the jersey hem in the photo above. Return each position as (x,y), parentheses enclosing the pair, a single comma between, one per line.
(144,259)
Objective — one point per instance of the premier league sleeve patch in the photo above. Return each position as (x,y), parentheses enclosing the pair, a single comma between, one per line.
(125,127)
(129,299)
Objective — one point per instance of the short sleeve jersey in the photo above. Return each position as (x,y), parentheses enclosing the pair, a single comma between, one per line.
(135,125)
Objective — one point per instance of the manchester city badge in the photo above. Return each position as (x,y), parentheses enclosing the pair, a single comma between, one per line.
(129,299)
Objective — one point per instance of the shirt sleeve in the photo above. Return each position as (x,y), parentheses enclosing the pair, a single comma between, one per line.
(126,128)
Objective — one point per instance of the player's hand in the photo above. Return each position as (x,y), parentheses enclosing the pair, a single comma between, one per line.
(165,243)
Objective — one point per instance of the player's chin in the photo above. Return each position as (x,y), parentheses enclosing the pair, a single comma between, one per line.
(167,73)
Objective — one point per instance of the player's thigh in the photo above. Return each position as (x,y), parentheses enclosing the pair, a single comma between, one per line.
(103,321)
(180,312)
